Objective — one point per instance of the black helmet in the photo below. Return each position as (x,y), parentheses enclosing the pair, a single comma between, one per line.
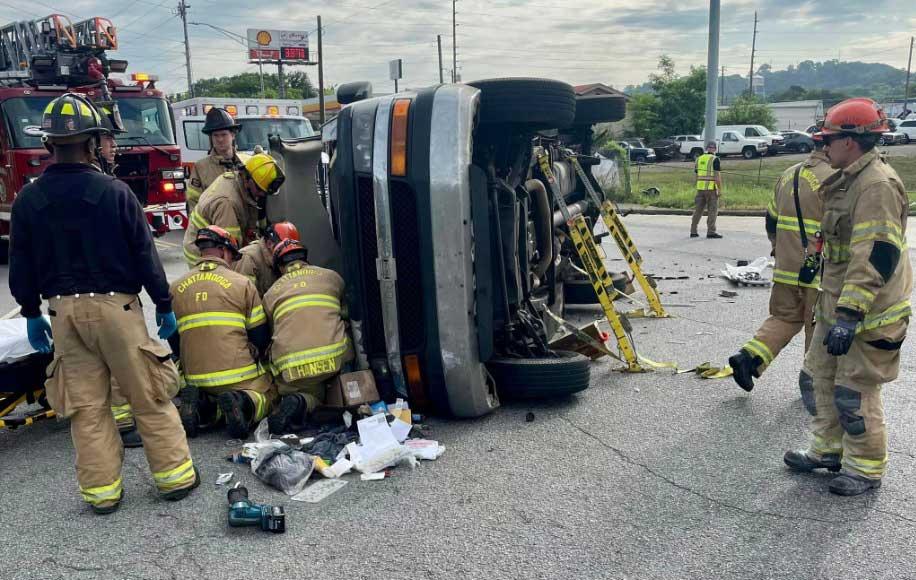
(219,119)
(71,118)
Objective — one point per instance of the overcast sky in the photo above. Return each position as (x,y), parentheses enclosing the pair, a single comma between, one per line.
(578,41)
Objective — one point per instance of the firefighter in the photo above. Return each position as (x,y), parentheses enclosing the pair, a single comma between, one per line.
(709,188)
(257,261)
(236,202)
(222,130)
(864,307)
(305,297)
(791,299)
(223,337)
(64,249)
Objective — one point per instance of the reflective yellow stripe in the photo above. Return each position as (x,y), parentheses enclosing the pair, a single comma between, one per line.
(836,253)
(237,232)
(227,377)
(823,446)
(198,220)
(191,258)
(856,296)
(706,173)
(192,193)
(232,319)
(102,494)
(771,208)
(875,320)
(122,413)
(173,478)
(791,279)
(260,404)
(758,348)
(311,355)
(311,300)
(256,316)
(790,223)
(871,467)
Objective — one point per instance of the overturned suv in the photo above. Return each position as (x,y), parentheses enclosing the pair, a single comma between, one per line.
(451,245)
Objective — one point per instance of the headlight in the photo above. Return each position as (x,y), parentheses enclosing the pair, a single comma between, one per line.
(173,174)
(363,125)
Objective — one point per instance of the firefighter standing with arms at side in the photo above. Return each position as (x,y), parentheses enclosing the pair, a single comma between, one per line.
(222,131)
(796,204)
(864,307)
(709,188)
(236,202)
(80,240)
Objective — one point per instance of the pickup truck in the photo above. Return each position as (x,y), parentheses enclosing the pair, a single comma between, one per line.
(448,236)
(731,142)
(691,146)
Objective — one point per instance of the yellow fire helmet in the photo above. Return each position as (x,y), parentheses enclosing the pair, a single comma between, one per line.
(265,172)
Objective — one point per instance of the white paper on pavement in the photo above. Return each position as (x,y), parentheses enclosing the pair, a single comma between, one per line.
(400,429)
(425,449)
(319,490)
(379,448)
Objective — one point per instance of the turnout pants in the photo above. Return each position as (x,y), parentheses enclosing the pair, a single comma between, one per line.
(120,408)
(97,338)
(843,396)
(791,310)
(260,390)
(705,200)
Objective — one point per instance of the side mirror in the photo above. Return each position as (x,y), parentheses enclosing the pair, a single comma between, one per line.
(352,92)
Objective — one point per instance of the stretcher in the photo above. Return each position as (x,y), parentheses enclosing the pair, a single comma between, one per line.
(22,377)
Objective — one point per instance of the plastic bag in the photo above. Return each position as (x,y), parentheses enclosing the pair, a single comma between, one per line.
(752,271)
(283,468)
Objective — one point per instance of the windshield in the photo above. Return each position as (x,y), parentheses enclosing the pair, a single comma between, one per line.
(20,113)
(147,122)
(254,132)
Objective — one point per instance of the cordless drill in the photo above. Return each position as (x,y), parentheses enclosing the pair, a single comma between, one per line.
(244,513)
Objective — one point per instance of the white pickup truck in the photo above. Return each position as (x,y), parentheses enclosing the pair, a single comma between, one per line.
(691,146)
(732,142)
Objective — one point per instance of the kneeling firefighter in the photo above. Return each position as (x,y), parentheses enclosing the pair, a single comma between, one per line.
(257,262)
(63,248)
(223,337)
(310,341)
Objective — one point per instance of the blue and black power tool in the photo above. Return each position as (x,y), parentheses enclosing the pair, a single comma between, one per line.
(244,513)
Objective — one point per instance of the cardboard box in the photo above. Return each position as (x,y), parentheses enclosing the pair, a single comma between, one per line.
(352,390)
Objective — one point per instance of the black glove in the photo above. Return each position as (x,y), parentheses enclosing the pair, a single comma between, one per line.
(839,337)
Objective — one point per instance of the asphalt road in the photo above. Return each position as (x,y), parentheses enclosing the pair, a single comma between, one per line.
(651,476)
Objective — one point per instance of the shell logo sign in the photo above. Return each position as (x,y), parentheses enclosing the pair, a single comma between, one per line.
(264,38)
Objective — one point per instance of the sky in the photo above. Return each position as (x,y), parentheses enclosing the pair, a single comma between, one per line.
(617,42)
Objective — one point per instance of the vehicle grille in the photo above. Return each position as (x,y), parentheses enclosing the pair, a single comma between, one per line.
(133,169)
(407,253)
(373,324)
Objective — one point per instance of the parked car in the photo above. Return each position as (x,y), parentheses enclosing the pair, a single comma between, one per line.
(892,138)
(690,146)
(774,142)
(639,153)
(731,142)
(665,149)
(907,127)
(797,141)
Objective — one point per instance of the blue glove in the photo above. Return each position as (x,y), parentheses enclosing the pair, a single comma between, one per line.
(39,333)
(839,337)
(167,324)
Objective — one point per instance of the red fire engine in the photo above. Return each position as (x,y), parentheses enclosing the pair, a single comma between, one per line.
(44,58)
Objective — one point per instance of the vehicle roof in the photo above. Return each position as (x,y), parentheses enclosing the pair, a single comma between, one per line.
(243,117)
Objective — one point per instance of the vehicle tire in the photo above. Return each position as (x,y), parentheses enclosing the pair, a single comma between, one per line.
(881,141)
(695,154)
(906,139)
(536,103)
(581,291)
(592,109)
(804,148)
(748,153)
(541,378)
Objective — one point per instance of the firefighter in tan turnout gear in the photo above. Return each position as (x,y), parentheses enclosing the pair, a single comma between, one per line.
(309,336)
(80,240)
(864,308)
(222,130)
(257,262)
(223,337)
(796,204)
(236,203)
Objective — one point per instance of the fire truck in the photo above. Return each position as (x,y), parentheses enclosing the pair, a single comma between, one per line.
(44,58)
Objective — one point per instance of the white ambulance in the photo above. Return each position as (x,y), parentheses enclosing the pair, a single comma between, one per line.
(259,118)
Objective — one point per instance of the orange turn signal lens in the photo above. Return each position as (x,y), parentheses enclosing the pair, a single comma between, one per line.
(399,137)
(168,187)
(232,110)
(273,111)
(412,370)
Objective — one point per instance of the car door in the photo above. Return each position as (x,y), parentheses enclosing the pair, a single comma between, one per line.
(730,144)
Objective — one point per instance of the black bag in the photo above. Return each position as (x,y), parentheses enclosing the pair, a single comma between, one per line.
(812,262)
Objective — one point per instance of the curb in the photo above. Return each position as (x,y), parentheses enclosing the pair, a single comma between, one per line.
(675,211)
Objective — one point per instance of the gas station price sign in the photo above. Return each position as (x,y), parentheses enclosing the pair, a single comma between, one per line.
(282,46)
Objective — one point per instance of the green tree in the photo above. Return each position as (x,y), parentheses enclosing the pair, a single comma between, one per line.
(675,104)
(248,85)
(643,109)
(748,111)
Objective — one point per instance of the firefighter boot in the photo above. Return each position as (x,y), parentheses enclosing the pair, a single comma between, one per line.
(289,412)
(130,438)
(852,484)
(190,410)
(744,367)
(180,494)
(108,509)
(238,411)
(804,461)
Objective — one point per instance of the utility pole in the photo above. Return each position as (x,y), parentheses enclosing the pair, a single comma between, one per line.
(282,84)
(712,67)
(320,76)
(183,12)
(722,87)
(906,91)
(439,42)
(750,80)
(454,41)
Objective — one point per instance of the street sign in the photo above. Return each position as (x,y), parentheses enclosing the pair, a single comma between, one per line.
(276,46)
(396,69)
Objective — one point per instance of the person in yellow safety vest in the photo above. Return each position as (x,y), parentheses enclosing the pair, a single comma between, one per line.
(257,261)
(864,307)
(64,248)
(709,188)
(791,299)
(236,202)
(223,336)
(309,335)
(222,129)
